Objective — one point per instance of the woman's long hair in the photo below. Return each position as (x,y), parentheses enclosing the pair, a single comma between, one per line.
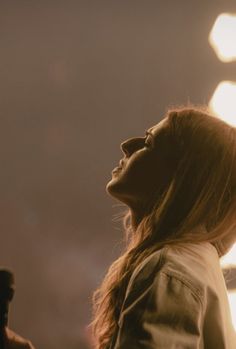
(201,191)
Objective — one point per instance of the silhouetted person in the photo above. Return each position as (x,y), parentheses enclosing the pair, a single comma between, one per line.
(167,290)
(8,339)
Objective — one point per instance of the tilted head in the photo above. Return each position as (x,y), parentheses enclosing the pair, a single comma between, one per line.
(180,176)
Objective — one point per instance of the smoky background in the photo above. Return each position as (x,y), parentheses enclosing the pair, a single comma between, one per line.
(76,79)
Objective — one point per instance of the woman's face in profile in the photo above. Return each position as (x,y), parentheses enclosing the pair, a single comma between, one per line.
(144,168)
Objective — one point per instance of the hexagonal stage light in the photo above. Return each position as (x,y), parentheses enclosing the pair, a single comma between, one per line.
(223,102)
(223,37)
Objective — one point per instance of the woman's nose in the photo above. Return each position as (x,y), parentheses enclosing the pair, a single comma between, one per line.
(123,147)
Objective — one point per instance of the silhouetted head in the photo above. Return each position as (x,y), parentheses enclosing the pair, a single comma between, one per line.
(146,168)
(182,174)
(7,285)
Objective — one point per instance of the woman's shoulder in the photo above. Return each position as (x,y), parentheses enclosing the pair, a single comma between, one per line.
(195,265)
(187,256)
(157,278)
(147,269)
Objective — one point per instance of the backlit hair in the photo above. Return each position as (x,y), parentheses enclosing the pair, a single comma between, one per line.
(200,192)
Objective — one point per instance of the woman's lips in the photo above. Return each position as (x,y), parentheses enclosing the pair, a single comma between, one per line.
(117,169)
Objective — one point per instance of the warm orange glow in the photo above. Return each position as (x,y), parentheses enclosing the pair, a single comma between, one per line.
(223,102)
(230,258)
(223,37)
(232,303)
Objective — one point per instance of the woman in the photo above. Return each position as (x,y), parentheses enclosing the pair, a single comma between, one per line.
(167,289)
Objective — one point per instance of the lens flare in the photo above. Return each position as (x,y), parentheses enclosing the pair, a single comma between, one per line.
(230,258)
(223,37)
(232,303)
(223,102)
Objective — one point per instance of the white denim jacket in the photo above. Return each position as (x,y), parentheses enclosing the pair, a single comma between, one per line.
(177,299)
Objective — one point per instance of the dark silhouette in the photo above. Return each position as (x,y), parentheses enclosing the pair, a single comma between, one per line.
(8,339)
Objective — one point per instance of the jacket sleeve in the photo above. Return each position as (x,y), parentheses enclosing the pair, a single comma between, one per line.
(165,315)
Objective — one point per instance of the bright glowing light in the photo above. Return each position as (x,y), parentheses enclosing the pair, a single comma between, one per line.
(223,102)
(223,37)
(232,304)
(230,258)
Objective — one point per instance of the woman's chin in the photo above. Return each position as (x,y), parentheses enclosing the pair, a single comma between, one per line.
(115,187)
(110,187)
